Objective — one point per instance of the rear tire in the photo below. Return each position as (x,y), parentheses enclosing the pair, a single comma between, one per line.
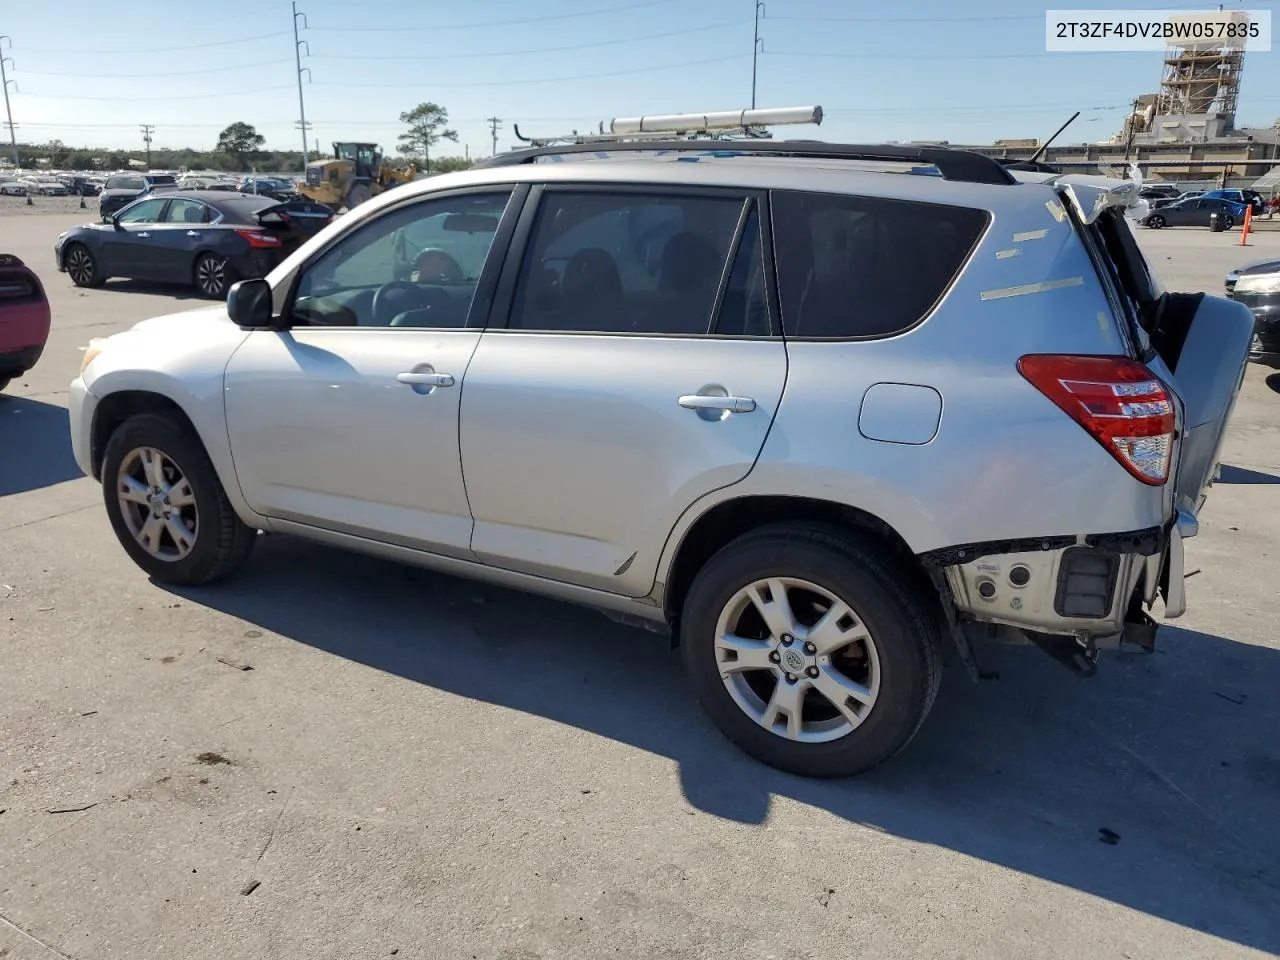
(1155,223)
(885,683)
(210,541)
(213,276)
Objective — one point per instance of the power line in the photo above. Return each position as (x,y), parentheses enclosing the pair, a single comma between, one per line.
(435,28)
(525,81)
(228,94)
(153,76)
(166,49)
(533,50)
(147,129)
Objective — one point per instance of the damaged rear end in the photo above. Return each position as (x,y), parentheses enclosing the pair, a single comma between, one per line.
(1159,407)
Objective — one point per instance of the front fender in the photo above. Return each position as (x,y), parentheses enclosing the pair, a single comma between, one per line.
(135,362)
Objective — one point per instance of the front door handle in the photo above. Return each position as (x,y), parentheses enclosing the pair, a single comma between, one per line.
(193,233)
(426,379)
(699,401)
(142,235)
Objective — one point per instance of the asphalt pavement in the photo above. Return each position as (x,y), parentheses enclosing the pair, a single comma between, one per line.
(335,756)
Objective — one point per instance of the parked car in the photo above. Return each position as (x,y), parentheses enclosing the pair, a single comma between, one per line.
(204,238)
(708,397)
(275,187)
(24,318)
(122,189)
(13,188)
(82,186)
(1165,201)
(1159,191)
(45,187)
(1194,212)
(1257,286)
(1246,198)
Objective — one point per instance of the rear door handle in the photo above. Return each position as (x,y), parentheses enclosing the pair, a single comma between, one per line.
(426,379)
(698,401)
(193,233)
(144,235)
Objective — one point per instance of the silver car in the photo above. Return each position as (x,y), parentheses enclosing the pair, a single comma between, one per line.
(816,409)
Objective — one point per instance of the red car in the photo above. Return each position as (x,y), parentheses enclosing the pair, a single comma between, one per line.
(24,318)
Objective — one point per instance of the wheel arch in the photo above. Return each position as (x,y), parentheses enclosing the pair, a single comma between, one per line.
(729,519)
(115,408)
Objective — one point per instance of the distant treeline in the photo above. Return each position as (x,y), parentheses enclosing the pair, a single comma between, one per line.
(58,156)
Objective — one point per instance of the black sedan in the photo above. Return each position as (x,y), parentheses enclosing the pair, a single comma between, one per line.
(1257,286)
(1194,212)
(209,239)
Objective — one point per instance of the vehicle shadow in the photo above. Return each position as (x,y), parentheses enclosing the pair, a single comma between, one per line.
(1174,752)
(1273,381)
(35,445)
(177,291)
(1243,475)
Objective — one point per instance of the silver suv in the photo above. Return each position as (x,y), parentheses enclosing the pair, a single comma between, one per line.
(815,408)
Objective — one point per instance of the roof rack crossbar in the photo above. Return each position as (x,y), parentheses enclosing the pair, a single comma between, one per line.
(961,165)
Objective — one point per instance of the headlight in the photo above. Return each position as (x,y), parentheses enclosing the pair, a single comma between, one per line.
(92,350)
(1262,283)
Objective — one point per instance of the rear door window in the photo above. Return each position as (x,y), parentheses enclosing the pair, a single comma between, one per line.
(861,267)
(601,262)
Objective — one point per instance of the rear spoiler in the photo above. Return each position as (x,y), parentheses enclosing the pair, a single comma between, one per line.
(1091,196)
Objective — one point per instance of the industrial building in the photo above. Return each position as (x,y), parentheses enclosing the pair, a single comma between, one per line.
(1187,129)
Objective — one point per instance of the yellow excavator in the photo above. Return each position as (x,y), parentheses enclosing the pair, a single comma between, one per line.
(357,173)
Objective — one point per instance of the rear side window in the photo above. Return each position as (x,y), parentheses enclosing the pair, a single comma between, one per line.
(851,267)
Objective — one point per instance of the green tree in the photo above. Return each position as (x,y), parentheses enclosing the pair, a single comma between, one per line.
(450,164)
(427,125)
(240,142)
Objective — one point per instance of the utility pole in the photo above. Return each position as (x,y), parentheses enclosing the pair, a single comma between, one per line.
(147,129)
(1133,116)
(755,51)
(494,124)
(4,83)
(297,59)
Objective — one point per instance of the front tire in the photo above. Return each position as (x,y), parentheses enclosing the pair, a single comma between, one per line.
(1155,223)
(358,195)
(811,652)
(82,266)
(167,506)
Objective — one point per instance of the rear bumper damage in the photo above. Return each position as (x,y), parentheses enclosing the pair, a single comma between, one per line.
(1071,596)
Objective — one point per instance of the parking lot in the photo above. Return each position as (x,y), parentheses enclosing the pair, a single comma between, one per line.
(335,756)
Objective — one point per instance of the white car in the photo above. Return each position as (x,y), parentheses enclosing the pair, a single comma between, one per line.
(708,397)
(13,188)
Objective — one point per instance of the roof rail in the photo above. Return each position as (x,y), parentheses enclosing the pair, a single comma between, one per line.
(960,165)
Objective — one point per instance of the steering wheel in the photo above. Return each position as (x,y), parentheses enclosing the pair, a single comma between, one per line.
(437,266)
(398,296)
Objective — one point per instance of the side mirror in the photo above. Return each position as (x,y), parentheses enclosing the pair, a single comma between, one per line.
(249,304)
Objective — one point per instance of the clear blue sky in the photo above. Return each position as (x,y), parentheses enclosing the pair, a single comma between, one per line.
(967,71)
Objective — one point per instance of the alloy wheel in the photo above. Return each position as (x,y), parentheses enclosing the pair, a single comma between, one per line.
(797,659)
(211,276)
(80,265)
(158,504)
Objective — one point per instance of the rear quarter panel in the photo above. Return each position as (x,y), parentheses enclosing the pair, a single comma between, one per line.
(1005,462)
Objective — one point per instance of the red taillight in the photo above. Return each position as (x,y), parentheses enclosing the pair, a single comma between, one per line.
(260,241)
(1119,401)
